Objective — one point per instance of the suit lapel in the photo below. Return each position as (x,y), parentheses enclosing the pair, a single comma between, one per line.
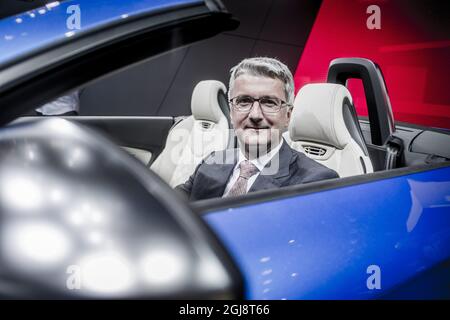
(217,182)
(277,168)
(218,173)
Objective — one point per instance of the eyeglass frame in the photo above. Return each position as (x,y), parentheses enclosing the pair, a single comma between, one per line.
(282,104)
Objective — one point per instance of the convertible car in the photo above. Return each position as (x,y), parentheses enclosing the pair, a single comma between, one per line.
(87,205)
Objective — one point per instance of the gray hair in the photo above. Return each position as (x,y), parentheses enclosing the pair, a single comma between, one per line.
(265,67)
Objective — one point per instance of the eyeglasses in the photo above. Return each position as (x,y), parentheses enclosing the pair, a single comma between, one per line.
(268,104)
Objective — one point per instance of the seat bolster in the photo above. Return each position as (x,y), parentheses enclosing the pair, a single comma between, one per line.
(199,144)
(319,107)
(167,161)
(324,127)
(353,161)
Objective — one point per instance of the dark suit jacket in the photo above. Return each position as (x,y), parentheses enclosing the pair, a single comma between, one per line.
(211,176)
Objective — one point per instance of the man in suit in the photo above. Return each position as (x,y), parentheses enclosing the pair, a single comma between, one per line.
(261,95)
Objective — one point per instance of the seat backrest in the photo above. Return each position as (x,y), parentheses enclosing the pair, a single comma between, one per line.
(325,127)
(196,136)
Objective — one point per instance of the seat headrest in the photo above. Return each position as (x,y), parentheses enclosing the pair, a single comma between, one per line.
(323,113)
(205,100)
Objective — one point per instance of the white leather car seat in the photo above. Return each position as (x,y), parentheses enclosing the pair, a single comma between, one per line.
(325,127)
(195,137)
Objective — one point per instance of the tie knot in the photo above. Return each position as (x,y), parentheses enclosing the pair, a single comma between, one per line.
(247,169)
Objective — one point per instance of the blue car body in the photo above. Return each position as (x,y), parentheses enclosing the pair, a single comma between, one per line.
(326,244)
(41,27)
(320,245)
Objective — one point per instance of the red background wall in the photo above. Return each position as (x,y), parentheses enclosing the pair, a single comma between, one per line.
(412,48)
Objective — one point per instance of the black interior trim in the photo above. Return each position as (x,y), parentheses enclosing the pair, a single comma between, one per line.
(352,124)
(210,205)
(144,133)
(223,104)
(432,143)
(400,125)
(407,125)
(380,112)
(363,165)
(412,148)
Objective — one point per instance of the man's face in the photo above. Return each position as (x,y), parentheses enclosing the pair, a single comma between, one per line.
(254,129)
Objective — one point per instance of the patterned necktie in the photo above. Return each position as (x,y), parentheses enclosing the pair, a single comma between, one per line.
(247,170)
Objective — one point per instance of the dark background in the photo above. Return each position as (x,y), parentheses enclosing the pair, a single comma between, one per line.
(163,85)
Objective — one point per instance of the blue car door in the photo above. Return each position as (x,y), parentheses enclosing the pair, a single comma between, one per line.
(363,238)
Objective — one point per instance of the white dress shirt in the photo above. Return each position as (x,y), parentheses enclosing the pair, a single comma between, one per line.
(260,163)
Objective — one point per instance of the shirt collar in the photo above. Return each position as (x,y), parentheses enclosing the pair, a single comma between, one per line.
(261,161)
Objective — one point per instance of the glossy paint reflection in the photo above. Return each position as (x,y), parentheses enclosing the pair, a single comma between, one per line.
(47,25)
(77,220)
(35,244)
(321,245)
(426,195)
